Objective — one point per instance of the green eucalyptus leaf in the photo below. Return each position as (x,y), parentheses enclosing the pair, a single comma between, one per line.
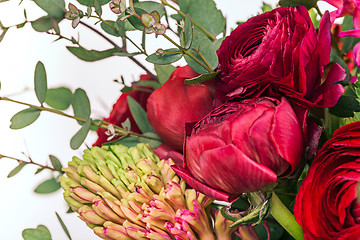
(152,142)
(81,104)
(150,6)
(201,78)
(24,118)
(201,11)
(139,115)
(187,34)
(345,107)
(92,55)
(55,162)
(39,233)
(40,82)
(169,56)
(127,141)
(202,43)
(266,7)
(17,169)
(59,98)
(42,24)
(49,186)
(217,43)
(163,72)
(63,226)
(135,21)
(126,54)
(55,8)
(80,136)
(97,6)
(109,29)
(151,84)
(39,170)
(307,3)
(91,2)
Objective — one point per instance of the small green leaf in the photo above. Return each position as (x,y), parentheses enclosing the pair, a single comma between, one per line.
(201,78)
(126,54)
(91,2)
(217,43)
(168,56)
(48,186)
(135,21)
(59,98)
(92,55)
(97,7)
(39,233)
(151,84)
(43,24)
(266,7)
(39,170)
(55,8)
(21,25)
(150,6)
(24,118)
(126,124)
(81,104)
(56,163)
(163,72)
(40,82)
(152,142)
(307,3)
(139,115)
(63,226)
(345,107)
(80,136)
(202,43)
(109,29)
(17,169)
(127,141)
(187,35)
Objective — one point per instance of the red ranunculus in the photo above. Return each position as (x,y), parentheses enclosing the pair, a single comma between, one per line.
(326,205)
(121,111)
(175,103)
(241,147)
(279,53)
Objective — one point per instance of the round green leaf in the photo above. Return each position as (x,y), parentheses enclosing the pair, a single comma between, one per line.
(59,98)
(40,82)
(24,118)
(42,24)
(48,186)
(169,56)
(39,233)
(135,21)
(81,104)
(55,8)
(80,136)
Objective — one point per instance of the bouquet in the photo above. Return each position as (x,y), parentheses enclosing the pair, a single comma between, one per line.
(252,134)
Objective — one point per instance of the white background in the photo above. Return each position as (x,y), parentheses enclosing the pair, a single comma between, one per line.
(21,49)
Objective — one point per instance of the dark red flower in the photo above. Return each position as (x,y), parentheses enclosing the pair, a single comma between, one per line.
(121,111)
(241,147)
(175,103)
(279,53)
(326,205)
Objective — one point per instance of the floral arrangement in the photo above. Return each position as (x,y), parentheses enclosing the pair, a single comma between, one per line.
(255,136)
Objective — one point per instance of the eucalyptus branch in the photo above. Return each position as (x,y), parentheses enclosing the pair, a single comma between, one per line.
(213,38)
(122,49)
(30,162)
(101,124)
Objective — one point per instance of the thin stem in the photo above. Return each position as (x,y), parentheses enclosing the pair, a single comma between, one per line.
(122,49)
(213,38)
(30,162)
(187,52)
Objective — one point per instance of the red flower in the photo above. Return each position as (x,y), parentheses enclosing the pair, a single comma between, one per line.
(121,112)
(326,205)
(279,53)
(241,147)
(175,103)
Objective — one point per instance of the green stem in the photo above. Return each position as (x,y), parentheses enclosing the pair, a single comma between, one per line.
(187,52)
(212,37)
(30,162)
(285,218)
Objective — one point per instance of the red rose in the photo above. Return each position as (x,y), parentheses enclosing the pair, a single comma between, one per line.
(175,103)
(241,147)
(279,53)
(326,205)
(121,112)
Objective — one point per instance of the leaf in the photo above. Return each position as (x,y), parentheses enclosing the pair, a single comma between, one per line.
(80,136)
(109,29)
(16,170)
(139,115)
(97,7)
(92,55)
(81,104)
(59,98)
(150,6)
(187,35)
(126,54)
(307,3)
(55,162)
(55,8)
(48,186)
(39,233)
(202,43)
(39,170)
(201,11)
(169,56)
(201,78)
(345,107)
(152,142)
(135,22)
(91,2)
(348,42)
(42,24)
(266,7)
(163,72)
(40,82)
(63,226)
(151,84)
(24,118)
(217,43)
(127,141)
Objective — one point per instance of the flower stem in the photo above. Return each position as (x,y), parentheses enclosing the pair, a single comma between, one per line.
(30,162)
(285,218)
